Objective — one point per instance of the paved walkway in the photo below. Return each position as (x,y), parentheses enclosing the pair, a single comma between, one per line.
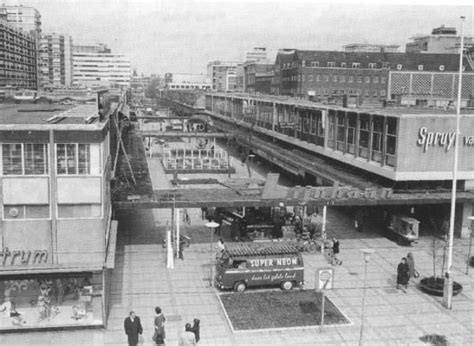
(141,282)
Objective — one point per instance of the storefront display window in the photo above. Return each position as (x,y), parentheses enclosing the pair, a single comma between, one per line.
(377,139)
(364,134)
(51,301)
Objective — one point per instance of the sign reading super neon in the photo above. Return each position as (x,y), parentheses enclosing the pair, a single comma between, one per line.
(273,262)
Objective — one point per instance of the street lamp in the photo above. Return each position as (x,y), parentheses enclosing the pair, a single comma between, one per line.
(367,253)
(211,225)
(250,157)
(448,280)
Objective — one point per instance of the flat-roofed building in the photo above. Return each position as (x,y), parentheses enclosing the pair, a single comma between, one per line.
(55,55)
(56,232)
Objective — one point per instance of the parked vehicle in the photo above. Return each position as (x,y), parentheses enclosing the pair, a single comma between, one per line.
(243,267)
(404,228)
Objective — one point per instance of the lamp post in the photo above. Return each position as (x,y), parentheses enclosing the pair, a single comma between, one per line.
(250,158)
(471,218)
(448,280)
(367,253)
(211,225)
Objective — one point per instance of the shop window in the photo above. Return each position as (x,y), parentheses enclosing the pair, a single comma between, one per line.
(50,300)
(377,135)
(364,135)
(25,159)
(19,212)
(74,211)
(73,159)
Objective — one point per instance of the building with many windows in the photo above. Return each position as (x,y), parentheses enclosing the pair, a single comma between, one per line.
(374,48)
(25,18)
(100,68)
(372,77)
(56,235)
(257,54)
(55,56)
(224,75)
(17,60)
(254,70)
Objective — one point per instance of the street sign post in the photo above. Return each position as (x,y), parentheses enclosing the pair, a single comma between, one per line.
(324,281)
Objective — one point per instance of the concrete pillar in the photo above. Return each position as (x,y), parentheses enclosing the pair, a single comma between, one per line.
(465,224)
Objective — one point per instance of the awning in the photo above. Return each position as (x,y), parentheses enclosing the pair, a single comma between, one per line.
(200,118)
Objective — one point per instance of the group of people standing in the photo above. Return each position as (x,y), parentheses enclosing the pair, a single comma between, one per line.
(405,271)
(133,328)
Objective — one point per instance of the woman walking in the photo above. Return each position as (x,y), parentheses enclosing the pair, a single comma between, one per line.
(160,335)
(403,275)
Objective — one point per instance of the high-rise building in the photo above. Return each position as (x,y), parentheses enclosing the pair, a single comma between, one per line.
(55,55)
(100,68)
(17,59)
(442,40)
(223,75)
(257,54)
(22,17)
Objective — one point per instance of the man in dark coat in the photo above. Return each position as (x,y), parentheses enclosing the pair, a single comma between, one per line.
(133,327)
(403,274)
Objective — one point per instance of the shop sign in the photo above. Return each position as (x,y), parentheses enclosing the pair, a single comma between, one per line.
(23,257)
(273,262)
(447,140)
(324,278)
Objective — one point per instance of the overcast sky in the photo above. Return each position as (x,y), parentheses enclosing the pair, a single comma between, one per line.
(182,36)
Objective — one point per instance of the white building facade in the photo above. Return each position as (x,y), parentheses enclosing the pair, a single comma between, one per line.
(101,69)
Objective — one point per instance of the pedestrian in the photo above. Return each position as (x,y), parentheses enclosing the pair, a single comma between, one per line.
(132,327)
(335,251)
(187,338)
(182,245)
(402,275)
(412,273)
(221,247)
(204,213)
(196,329)
(159,324)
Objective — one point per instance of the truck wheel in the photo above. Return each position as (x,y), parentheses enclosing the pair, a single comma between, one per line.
(286,285)
(240,286)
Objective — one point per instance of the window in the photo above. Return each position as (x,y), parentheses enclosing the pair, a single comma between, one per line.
(375,93)
(351,130)
(359,79)
(391,143)
(377,139)
(326,78)
(399,67)
(343,64)
(364,132)
(318,78)
(331,64)
(367,92)
(351,79)
(334,78)
(356,65)
(310,78)
(341,131)
(385,65)
(420,67)
(342,79)
(372,65)
(382,92)
(314,63)
(25,159)
(367,79)
(383,80)
(72,211)
(441,67)
(376,80)
(73,159)
(303,63)
(17,212)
